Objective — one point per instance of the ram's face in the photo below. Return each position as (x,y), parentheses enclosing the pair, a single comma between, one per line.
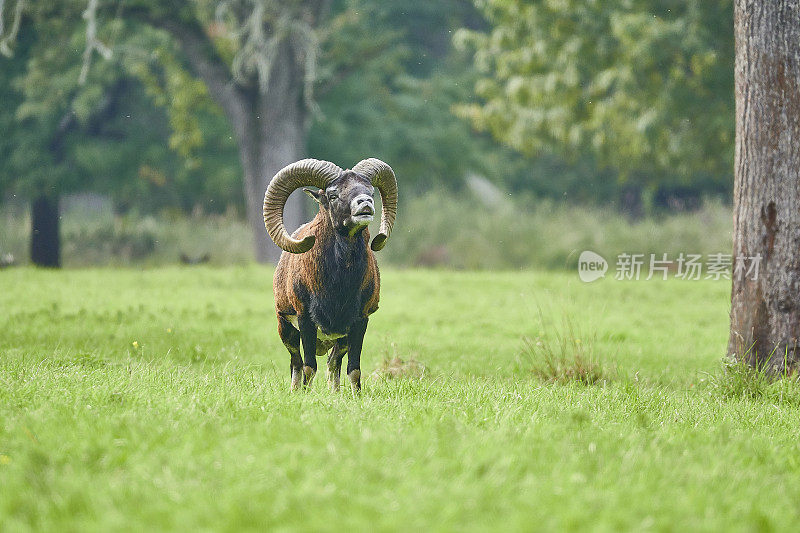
(349,201)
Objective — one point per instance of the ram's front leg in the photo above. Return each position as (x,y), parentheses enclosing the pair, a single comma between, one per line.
(335,362)
(355,339)
(308,336)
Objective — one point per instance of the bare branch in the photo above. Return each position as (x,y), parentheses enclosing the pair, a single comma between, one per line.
(92,43)
(260,27)
(6,41)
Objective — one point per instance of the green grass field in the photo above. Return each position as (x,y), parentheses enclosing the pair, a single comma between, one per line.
(160,398)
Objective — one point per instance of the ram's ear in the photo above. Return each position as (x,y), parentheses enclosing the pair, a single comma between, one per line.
(316,194)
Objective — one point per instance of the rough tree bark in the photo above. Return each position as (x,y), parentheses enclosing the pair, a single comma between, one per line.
(765,310)
(45,236)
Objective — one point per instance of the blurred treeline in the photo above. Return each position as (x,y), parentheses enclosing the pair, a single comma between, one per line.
(621,104)
(438,230)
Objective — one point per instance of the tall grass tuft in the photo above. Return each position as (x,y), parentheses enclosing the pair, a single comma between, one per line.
(395,367)
(564,357)
(739,380)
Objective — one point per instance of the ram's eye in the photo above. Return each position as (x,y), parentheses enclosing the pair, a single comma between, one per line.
(333,196)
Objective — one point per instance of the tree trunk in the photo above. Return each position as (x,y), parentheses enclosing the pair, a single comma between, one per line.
(274,136)
(269,122)
(262,157)
(45,236)
(765,305)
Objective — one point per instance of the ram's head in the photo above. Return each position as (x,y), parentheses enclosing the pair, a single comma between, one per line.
(344,195)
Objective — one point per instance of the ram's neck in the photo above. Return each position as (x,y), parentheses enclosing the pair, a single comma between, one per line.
(339,253)
(350,250)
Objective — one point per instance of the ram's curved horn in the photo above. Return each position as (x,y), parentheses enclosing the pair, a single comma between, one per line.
(382,176)
(302,173)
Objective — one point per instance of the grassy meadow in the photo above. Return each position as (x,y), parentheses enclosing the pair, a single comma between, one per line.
(160,398)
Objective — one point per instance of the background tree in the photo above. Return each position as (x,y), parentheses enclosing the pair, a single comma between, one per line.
(385,81)
(170,118)
(38,164)
(643,86)
(258,60)
(73,128)
(765,308)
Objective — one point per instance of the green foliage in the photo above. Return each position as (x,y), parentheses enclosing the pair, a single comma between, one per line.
(171,86)
(644,85)
(396,103)
(10,99)
(41,79)
(407,123)
(362,78)
(588,92)
(106,134)
(203,169)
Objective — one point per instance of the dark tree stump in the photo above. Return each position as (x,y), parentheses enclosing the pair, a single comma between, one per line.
(45,235)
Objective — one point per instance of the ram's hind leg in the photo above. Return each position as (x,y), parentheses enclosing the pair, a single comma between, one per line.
(308,336)
(291,339)
(335,362)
